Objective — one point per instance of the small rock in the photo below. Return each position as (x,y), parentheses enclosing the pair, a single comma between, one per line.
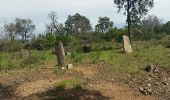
(149,91)
(149,85)
(165,83)
(68,53)
(70,66)
(169,79)
(113,80)
(142,90)
(151,68)
(62,68)
(165,79)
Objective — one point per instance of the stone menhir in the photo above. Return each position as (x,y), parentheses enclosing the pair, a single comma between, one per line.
(126,44)
(24,53)
(60,53)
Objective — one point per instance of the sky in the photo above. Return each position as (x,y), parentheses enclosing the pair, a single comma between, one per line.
(37,11)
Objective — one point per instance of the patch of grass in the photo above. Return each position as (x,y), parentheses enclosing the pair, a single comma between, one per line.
(75,82)
(35,58)
(76,57)
(9,60)
(13,60)
(143,55)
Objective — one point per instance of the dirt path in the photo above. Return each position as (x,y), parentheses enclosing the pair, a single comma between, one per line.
(38,82)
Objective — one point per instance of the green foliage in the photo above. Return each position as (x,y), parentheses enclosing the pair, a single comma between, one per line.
(77,24)
(135,9)
(34,59)
(114,34)
(104,25)
(70,83)
(13,60)
(25,28)
(77,57)
(10,46)
(65,39)
(44,41)
(9,60)
(166,28)
(145,53)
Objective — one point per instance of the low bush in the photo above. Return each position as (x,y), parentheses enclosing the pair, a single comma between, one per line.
(77,57)
(35,58)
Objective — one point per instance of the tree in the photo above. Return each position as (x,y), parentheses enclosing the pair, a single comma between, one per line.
(54,26)
(25,28)
(11,30)
(151,24)
(134,10)
(166,27)
(77,24)
(104,24)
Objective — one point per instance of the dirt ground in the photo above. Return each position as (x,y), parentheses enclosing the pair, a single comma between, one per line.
(40,84)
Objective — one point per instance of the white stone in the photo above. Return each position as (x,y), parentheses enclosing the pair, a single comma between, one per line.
(70,66)
(126,44)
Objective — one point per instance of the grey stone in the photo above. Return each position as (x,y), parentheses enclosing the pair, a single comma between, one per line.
(24,53)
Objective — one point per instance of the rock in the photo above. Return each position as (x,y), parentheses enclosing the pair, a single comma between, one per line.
(169,79)
(70,66)
(165,83)
(151,68)
(145,90)
(149,85)
(62,68)
(142,90)
(24,53)
(113,80)
(165,79)
(149,91)
(68,53)
(126,44)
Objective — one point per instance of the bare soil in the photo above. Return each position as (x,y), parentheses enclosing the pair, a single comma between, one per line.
(40,84)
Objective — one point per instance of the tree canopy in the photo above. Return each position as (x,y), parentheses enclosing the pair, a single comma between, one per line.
(77,24)
(134,10)
(25,28)
(104,24)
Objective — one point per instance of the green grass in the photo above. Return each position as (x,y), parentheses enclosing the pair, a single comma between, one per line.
(75,82)
(143,55)
(10,61)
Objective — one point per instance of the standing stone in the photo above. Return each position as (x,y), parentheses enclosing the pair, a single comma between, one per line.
(24,53)
(126,44)
(60,54)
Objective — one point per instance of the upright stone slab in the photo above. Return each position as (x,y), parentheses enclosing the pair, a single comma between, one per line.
(60,54)
(24,53)
(126,44)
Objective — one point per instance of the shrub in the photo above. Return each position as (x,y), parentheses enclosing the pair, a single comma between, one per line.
(77,57)
(10,46)
(34,58)
(87,48)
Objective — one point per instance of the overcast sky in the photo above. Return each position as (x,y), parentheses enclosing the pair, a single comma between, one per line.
(37,10)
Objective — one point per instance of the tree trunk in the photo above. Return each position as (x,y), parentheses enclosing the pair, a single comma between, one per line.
(129,22)
(60,54)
